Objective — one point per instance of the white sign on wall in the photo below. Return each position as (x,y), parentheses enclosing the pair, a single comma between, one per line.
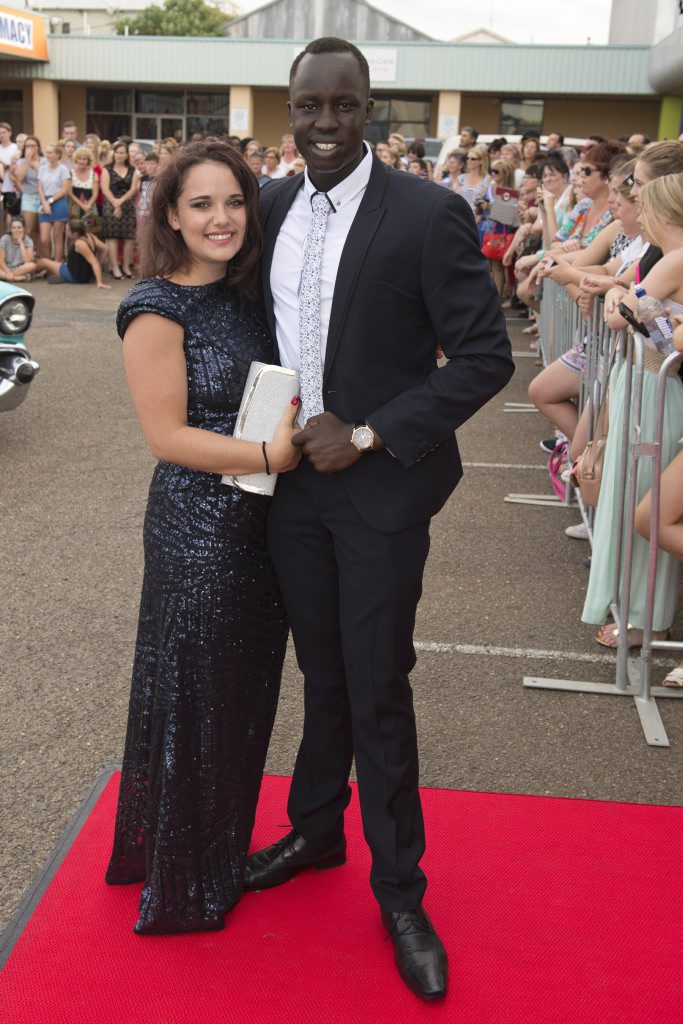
(382,63)
(448,125)
(239,119)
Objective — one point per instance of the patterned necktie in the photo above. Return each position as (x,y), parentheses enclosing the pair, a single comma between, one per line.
(311,375)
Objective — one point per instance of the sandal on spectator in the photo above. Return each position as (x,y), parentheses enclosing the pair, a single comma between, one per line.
(608,636)
(674,678)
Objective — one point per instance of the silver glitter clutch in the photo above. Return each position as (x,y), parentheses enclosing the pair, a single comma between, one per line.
(267,393)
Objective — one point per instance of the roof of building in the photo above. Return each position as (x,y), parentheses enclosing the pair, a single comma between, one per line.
(481,35)
(498,69)
(310,19)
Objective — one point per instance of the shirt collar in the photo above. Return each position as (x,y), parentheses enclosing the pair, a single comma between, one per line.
(347,189)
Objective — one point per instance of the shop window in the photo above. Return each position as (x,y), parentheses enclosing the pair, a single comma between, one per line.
(206,104)
(150,114)
(518,116)
(409,116)
(149,102)
(207,126)
(110,101)
(11,105)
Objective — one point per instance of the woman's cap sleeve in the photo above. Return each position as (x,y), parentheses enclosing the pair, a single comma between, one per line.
(149,296)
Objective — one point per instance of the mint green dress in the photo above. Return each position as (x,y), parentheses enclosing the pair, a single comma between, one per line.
(603,561)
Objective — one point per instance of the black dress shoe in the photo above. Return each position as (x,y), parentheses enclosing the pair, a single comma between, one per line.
(286,858)
(418,951)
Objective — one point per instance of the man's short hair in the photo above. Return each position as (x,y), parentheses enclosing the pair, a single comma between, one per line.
(152,158)
(7,125)
(559,135)
(473,131)
(331,44)
(68,124)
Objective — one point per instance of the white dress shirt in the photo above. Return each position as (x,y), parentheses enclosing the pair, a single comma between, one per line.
(288,257)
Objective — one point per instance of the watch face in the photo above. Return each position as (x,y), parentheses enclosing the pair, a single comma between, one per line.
(363,437)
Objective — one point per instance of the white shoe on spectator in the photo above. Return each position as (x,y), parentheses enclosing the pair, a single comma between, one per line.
(578,532)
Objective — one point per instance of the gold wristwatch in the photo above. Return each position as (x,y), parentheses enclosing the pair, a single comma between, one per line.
(362,437)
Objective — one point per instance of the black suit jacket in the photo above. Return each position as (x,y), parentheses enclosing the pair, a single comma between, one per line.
(411,275)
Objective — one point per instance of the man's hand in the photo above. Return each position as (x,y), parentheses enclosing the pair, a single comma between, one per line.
(326,443)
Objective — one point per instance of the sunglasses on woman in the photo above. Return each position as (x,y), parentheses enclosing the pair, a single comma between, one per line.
(587,171)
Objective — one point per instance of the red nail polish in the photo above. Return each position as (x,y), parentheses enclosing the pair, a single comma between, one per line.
(295,400)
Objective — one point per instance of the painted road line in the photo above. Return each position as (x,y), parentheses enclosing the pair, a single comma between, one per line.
(529,653)
(503,465)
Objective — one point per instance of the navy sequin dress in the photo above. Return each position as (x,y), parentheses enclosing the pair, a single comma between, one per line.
(210,646)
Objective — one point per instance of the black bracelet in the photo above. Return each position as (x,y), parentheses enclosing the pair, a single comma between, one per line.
(265,457)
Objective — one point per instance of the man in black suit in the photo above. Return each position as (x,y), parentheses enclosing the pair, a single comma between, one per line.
(401,275)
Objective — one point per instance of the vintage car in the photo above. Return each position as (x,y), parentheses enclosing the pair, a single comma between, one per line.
(17,369)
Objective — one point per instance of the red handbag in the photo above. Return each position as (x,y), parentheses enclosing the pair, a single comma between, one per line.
(494,246)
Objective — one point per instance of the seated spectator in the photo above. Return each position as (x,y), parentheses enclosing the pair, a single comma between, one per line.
(555,140)
(661,209)
(17,256)
(670,534)
(83,261)
(556,388)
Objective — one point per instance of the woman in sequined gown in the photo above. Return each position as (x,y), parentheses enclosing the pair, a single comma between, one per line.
(212,630)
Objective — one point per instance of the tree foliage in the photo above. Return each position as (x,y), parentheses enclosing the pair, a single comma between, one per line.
(176,18)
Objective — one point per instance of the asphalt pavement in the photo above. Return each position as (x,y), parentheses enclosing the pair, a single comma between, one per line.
(503,593)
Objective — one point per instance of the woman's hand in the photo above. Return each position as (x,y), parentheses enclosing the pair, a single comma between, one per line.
(613,317)
(559,271)
(571,245)
(282,455)
(596,284)
(524,266)
(677,339)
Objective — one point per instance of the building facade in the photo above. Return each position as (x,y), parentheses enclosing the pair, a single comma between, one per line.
(154,87)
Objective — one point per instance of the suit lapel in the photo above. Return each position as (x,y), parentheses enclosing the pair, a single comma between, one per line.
(273,221)
(361,233)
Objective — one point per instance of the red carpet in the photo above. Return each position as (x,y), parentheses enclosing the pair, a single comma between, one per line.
(553,911)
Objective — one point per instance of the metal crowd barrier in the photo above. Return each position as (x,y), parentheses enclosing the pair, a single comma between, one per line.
(559,325)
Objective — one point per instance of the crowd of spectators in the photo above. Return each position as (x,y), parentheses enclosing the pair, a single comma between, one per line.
(594,219)
(608,223)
